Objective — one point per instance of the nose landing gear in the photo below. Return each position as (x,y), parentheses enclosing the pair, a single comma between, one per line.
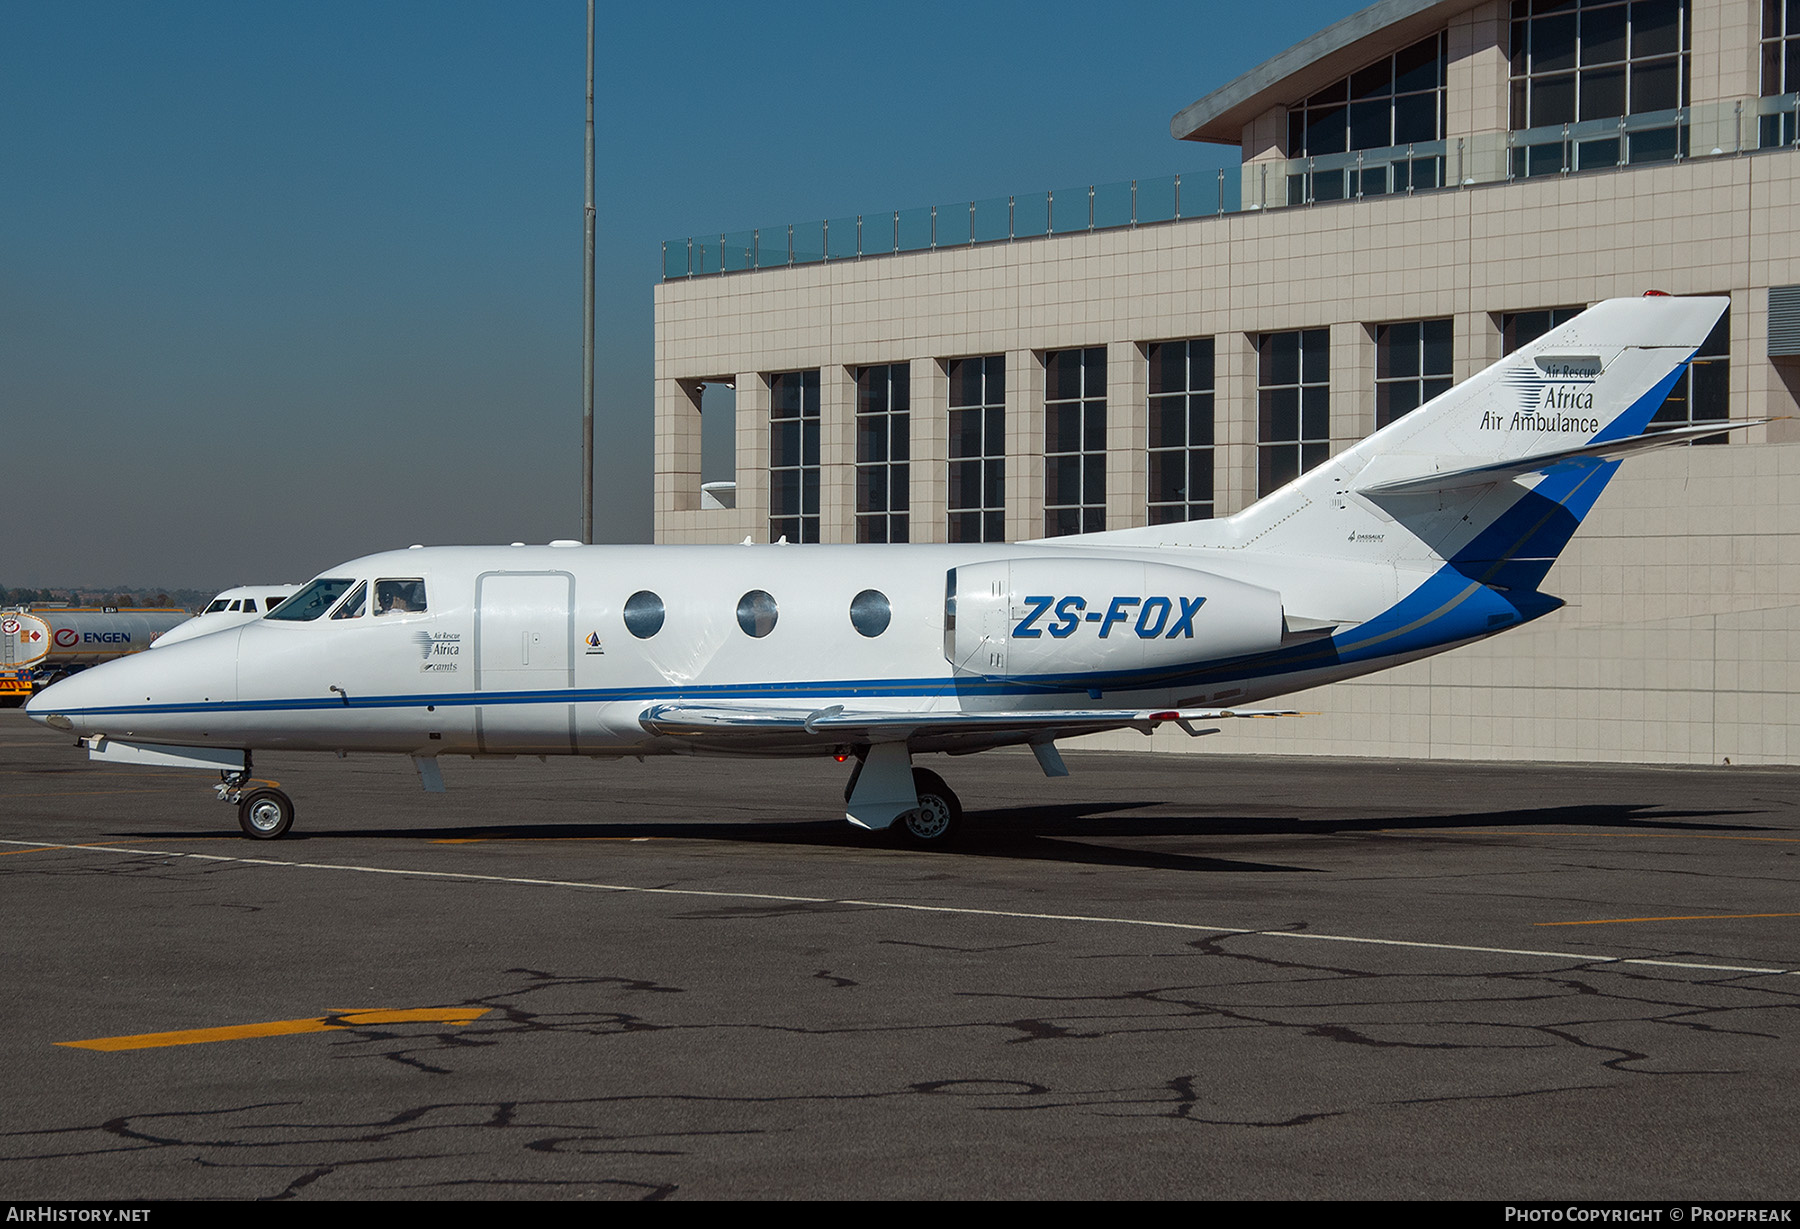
(264,813)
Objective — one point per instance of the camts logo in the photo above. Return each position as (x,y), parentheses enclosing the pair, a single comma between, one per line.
(439,650)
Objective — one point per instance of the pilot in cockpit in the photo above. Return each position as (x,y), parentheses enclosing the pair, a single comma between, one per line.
(399,596)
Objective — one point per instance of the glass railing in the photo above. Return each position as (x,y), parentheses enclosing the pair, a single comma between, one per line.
(999,219)
(1739,126)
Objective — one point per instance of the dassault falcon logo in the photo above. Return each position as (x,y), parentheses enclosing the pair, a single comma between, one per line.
(1153,615)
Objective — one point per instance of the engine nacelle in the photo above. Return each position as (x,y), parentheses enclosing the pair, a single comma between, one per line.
(1058,617)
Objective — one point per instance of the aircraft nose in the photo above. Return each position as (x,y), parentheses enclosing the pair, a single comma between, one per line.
(52,705)
(177,677)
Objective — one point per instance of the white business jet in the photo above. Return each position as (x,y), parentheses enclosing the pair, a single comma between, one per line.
(230,609)
(1434,532)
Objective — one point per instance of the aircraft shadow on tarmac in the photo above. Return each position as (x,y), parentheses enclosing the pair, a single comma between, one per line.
(1071,833)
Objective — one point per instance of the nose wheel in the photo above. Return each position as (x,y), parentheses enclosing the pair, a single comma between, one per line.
(265,814)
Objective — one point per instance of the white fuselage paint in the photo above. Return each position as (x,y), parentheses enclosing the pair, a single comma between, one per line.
(524,649)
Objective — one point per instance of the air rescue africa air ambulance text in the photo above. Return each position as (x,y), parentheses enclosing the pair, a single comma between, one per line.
(1156,617)
(1548,415)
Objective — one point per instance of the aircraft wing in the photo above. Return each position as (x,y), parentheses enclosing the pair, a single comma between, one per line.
(756,726)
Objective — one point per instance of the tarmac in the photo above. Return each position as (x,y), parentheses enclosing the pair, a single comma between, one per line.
(1162,977)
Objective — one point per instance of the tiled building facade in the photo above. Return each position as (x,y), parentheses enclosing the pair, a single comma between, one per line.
(1423,185)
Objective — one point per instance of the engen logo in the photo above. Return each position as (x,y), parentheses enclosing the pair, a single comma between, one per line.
(66,637)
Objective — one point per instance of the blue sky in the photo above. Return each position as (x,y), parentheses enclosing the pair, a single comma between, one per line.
(285,284)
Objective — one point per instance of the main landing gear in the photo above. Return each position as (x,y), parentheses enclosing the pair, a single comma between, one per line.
(938,815)
(264,812)
(886,793)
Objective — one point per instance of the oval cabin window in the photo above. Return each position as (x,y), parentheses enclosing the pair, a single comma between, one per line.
(870,613)
(756,613)
(643,614)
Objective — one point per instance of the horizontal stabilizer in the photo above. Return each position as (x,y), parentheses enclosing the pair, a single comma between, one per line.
(1542,462)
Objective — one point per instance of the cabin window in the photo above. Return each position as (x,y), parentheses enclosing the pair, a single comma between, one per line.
(870,613)
(352,606)
(756,613)
(313,600)
(399,596)
(643,614)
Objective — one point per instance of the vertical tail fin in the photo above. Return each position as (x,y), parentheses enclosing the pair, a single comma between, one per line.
(1494,475)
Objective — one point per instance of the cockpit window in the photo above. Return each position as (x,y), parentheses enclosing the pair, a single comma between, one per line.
(399,596)
(352,606)
(217,605)
(313,600)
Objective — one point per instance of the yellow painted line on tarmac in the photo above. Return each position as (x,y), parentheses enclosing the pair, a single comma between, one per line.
(1679,917)
(1683,836)
(49,848)
(100,793)
(285,1028)
(478,840)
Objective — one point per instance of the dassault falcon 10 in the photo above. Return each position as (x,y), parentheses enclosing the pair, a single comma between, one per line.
(1433,532)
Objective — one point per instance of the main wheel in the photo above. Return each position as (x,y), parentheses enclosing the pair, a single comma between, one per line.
(939,814)
(265,814)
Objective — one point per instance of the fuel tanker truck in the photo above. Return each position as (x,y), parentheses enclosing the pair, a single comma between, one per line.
(41,645)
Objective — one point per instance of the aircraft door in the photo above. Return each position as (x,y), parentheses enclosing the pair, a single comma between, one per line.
(525,658)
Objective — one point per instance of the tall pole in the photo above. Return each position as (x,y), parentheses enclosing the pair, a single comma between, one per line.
(587,312)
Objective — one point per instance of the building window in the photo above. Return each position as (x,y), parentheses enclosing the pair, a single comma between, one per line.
(1780,68)
(1395,102)
(1703,393)
(1522,328)
(1412,365)
(1181,431)
(1074,441)
(883,445)
(1597,60)
(977,496)
(794,456)
(1293,405)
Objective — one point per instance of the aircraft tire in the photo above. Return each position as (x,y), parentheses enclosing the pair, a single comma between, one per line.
(939,814)
(265,814)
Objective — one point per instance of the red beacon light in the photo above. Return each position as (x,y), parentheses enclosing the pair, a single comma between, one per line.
(1657,294)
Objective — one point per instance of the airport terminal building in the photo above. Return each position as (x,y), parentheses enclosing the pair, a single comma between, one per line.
(1423,186)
